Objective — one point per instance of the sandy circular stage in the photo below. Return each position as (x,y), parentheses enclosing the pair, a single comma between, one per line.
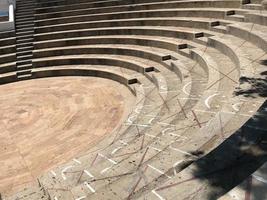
(46,122)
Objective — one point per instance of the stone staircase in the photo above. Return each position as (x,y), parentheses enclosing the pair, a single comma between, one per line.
(24,38)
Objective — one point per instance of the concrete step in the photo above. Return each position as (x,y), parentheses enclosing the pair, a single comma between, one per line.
(178,12)
(20,2)
(125,6)
(47,5)
(24,77)
(7,34)
(24,53)
(24,62)
(18,23)
(8,67)
(112,49)
(25,19)
(255,1)
(26,33)
(7,41)
(24,37)
(24,57)
(25,9)
(22,16)
(25,29)
(19,26)
(167,31)
(7,49)
(26,48)
(202,40)
(252,6)
(236,17)
(24,67)
(26,44)
(26,4)
(25,40)
(112,74)
(18,13)
(7,58)
(24,72)
(149,21)
(184,50)
(91,59)
(219,28)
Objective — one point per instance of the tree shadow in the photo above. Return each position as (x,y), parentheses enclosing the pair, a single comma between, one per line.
(239,156)
(236,158)
(263,62)
(253,86)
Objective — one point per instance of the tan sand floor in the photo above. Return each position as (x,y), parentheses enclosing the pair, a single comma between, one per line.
(46,122)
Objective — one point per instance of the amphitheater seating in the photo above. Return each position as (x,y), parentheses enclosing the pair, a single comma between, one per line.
(185,61)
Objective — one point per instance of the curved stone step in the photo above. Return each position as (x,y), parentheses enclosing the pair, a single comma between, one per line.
(192,12)
(134,7)
(147,4)
(92,59)
(183,33)
(190,22)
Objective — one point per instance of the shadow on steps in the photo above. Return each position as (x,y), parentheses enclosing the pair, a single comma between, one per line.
(236,158)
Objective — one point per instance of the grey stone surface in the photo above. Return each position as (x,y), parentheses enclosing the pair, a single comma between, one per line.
(197,71)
